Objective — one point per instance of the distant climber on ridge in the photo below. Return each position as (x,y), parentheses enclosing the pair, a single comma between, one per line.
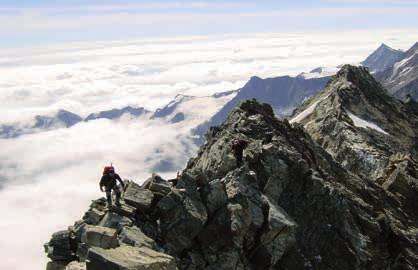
(238,146)
(108,181)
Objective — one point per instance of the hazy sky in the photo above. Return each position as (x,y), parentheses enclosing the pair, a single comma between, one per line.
(25,23)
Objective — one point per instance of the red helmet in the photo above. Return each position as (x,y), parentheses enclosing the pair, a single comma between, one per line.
(108,169)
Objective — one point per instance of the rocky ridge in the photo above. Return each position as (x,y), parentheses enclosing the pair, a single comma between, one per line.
(289,206)
(358,123)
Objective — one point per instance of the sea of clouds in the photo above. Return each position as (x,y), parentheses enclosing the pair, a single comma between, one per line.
(48,179)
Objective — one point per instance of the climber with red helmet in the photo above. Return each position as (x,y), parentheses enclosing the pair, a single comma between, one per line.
(108,181)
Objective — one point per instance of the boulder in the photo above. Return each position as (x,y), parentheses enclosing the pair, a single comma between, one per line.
(157,185)
(133,236)
(97,236)
(129,258)
(59,248)
(96,211)
(115,221)
(124,210)
(138,197)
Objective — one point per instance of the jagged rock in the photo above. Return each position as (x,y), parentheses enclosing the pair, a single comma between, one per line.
(115,221)
(138,197)
(214,196)
(127,258)
(97,236)
(157,185)
(181,219)
(289,205)
(96,212)
(135,237)
(59,248)
(124,210)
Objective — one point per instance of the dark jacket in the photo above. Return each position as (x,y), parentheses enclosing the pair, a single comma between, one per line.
(109,181)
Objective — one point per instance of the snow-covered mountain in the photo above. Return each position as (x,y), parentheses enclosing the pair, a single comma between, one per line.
(117,113)
(283,93)
(382,58)
(193,110)
(190,111)
(319,72)
(401,79)
(60,119)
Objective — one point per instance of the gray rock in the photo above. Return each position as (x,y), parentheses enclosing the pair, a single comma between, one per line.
(290,205)
(115,221)
(138,197)
(124,210)
(59,248)
(133,236)
(181,219)
(157,185)
(127,258)
(97,236)
(214,196)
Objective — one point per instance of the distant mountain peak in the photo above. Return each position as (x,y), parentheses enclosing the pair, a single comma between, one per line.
(382,58)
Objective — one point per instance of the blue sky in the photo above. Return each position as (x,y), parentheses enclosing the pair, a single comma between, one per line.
(25,23)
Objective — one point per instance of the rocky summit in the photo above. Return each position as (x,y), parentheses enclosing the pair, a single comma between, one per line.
(288,205)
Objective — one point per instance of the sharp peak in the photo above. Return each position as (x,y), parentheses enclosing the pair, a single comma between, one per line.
(252,107)
(351,73)
(351,80)
(383,45)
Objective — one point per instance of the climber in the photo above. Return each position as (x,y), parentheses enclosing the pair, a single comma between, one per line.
(108,181)
(238,146)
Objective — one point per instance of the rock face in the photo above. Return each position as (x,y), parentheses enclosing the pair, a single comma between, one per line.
(358,123)
(382,58)
(289,205)
(401,78)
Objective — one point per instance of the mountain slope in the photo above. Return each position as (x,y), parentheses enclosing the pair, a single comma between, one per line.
(358,123)
(117,113)
(282,93)
(382,58)
(289,206)
(401,79)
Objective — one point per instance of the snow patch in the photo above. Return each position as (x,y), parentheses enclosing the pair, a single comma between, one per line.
(319,72)
(401,63)
(358,122)
(304,113)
